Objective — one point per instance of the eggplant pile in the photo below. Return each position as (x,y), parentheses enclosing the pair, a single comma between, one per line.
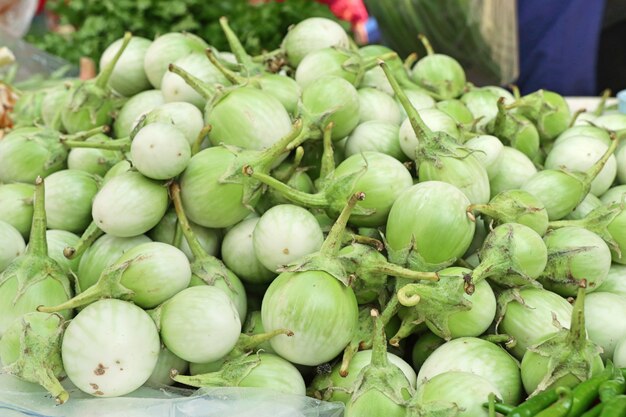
(322,219)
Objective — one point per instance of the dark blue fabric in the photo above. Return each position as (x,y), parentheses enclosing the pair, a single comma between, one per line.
(558,41)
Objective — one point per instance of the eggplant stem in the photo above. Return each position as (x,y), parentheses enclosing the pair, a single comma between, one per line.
(47,379)
(422,131)
(103,78)
(407,327)
(317,200)
(247,343)
(108,286)
(577,335)
(366,240)
(296,136)
(205,90)
(235,45)
(593,172)
(81,136)
(390,310)
(328,159)
(332,244)
(197,144)
(410,60)
(394,270)
(195,246)
(177,239)
(408,295)
(348,354)
(89,236)
(424,40)
(602,104)
(38,245)
(379,342)
(500,338)
(231,76)
(575,116)
(122,145)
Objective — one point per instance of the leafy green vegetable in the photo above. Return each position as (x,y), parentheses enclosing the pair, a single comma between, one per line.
(98,23)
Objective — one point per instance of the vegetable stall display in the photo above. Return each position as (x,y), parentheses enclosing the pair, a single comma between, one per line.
(320,219)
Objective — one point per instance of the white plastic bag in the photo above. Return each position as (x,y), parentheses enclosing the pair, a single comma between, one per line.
(22,399)
(16,15)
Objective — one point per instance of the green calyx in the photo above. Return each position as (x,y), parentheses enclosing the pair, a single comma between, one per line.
(249,343)
(363,337)
(91,103)
(437,301)
(35,266)
(249,162)
(231,374)
(205,267)
(36,338)
(387,380)
(415,408)
(410,258)
(569,352)
(326,259)
(502,254)
(432,145)
(371,270)
(46,154)
(333,190)
(516,130)
(109,285)
(411,319)
(597,221)
(507,296)
(515,206)
(558,271)
(89,236)
(547,110)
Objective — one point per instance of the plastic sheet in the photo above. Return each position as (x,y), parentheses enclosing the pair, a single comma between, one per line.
(15,15)
(21,399)
(33,62)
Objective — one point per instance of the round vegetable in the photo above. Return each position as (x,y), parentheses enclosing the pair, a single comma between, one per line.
(284,234)
(479,357)
(128,77)
(428,225)
(69,194)
(310,35)
(166,49)
(440,74)
(129,205)
(110,348)
(601,311)
(238,253)
(136,106)
(12,244)
(160,151)
(319,309)
(466,390)
(575,253)
(199,324)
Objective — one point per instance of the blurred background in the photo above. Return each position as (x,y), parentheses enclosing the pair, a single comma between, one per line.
(573,47)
